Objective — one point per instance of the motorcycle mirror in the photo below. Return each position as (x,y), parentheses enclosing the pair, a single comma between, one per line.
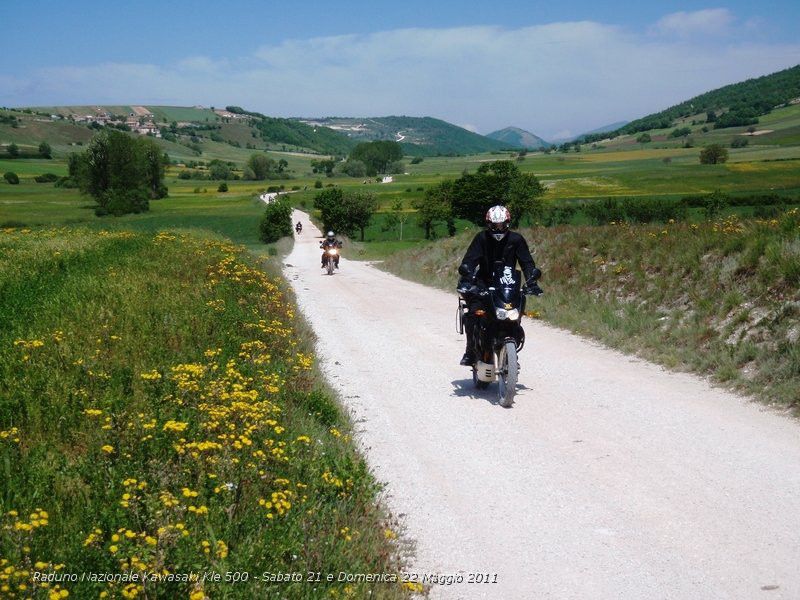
(464,271)
(536,274)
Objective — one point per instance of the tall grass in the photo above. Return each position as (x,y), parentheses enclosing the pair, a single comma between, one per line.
(159,414)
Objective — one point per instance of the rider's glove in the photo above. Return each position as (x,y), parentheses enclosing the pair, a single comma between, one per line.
(531,285)
(464,285)
(534,289)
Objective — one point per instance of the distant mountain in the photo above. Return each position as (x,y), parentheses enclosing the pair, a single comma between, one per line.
(518,138)
(606,128)
(419,136)
(733,105)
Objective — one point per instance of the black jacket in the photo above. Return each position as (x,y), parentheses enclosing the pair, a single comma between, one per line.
(485,250)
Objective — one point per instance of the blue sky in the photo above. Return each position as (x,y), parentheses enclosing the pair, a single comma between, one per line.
(554,68)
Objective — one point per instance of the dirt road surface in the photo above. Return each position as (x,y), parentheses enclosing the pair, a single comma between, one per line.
(610,478)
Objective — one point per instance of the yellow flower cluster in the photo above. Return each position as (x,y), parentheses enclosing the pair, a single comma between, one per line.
(10,434)
(150,375)
(27,346)
(175,426)
(38,518)
(279,503)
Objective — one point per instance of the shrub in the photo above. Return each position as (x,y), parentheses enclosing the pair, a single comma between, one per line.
(318,184)
(223,187)
(416,160)
(11,178)
(354,168)
(636,210)
(46,178)
(45,151)
(67,183)
(714,203)
(713,154)
(558,215)
(739,142)
(276,222)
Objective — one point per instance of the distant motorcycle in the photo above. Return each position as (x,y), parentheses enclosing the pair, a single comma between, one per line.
(498,331)
(298,228)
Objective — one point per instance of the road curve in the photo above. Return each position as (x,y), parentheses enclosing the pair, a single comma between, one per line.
(610,478)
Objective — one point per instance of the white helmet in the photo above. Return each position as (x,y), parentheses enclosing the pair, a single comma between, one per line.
(331,235)
(497,220)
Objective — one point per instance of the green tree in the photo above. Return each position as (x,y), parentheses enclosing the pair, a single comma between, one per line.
(345,212)
(400,216)
(121,173)
(354,168)
(276,222)
(11,177)
(13,150)
(155,163)
(260,166)
(644,138)
(714,203)
(499,182)
(325,165)
(377,155)
(45,151)
(218,170)
(713,154)
(436,207)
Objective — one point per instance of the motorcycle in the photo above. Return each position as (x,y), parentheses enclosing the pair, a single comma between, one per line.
(330,259)
(298,228)
(498,334)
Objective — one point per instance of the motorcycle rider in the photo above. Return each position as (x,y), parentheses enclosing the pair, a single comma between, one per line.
(299,227)
(330,242)
(495,244)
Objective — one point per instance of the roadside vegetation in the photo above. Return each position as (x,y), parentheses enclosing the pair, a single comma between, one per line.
(720,297)
(160,412)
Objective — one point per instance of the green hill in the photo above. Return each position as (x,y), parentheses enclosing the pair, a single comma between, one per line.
(419,136)
(518,138)
(185,132)
(738,104)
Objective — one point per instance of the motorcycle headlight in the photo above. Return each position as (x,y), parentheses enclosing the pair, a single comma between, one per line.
(503,314)
(332,251)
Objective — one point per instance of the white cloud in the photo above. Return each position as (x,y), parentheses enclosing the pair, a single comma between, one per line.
(547,79)
(711,21)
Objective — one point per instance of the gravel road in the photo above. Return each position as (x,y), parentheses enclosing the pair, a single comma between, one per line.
(610,478)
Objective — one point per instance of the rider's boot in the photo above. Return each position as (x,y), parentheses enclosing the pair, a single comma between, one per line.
(469,354)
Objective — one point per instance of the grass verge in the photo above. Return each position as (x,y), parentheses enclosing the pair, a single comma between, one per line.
(718,298)
(160,416)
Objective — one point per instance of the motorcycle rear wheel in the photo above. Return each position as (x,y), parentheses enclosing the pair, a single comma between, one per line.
(508,372)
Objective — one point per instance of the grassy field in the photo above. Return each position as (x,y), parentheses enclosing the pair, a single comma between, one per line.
(159,413)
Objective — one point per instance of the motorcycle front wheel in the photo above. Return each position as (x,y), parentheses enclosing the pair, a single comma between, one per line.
(508,371)
(331,266)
